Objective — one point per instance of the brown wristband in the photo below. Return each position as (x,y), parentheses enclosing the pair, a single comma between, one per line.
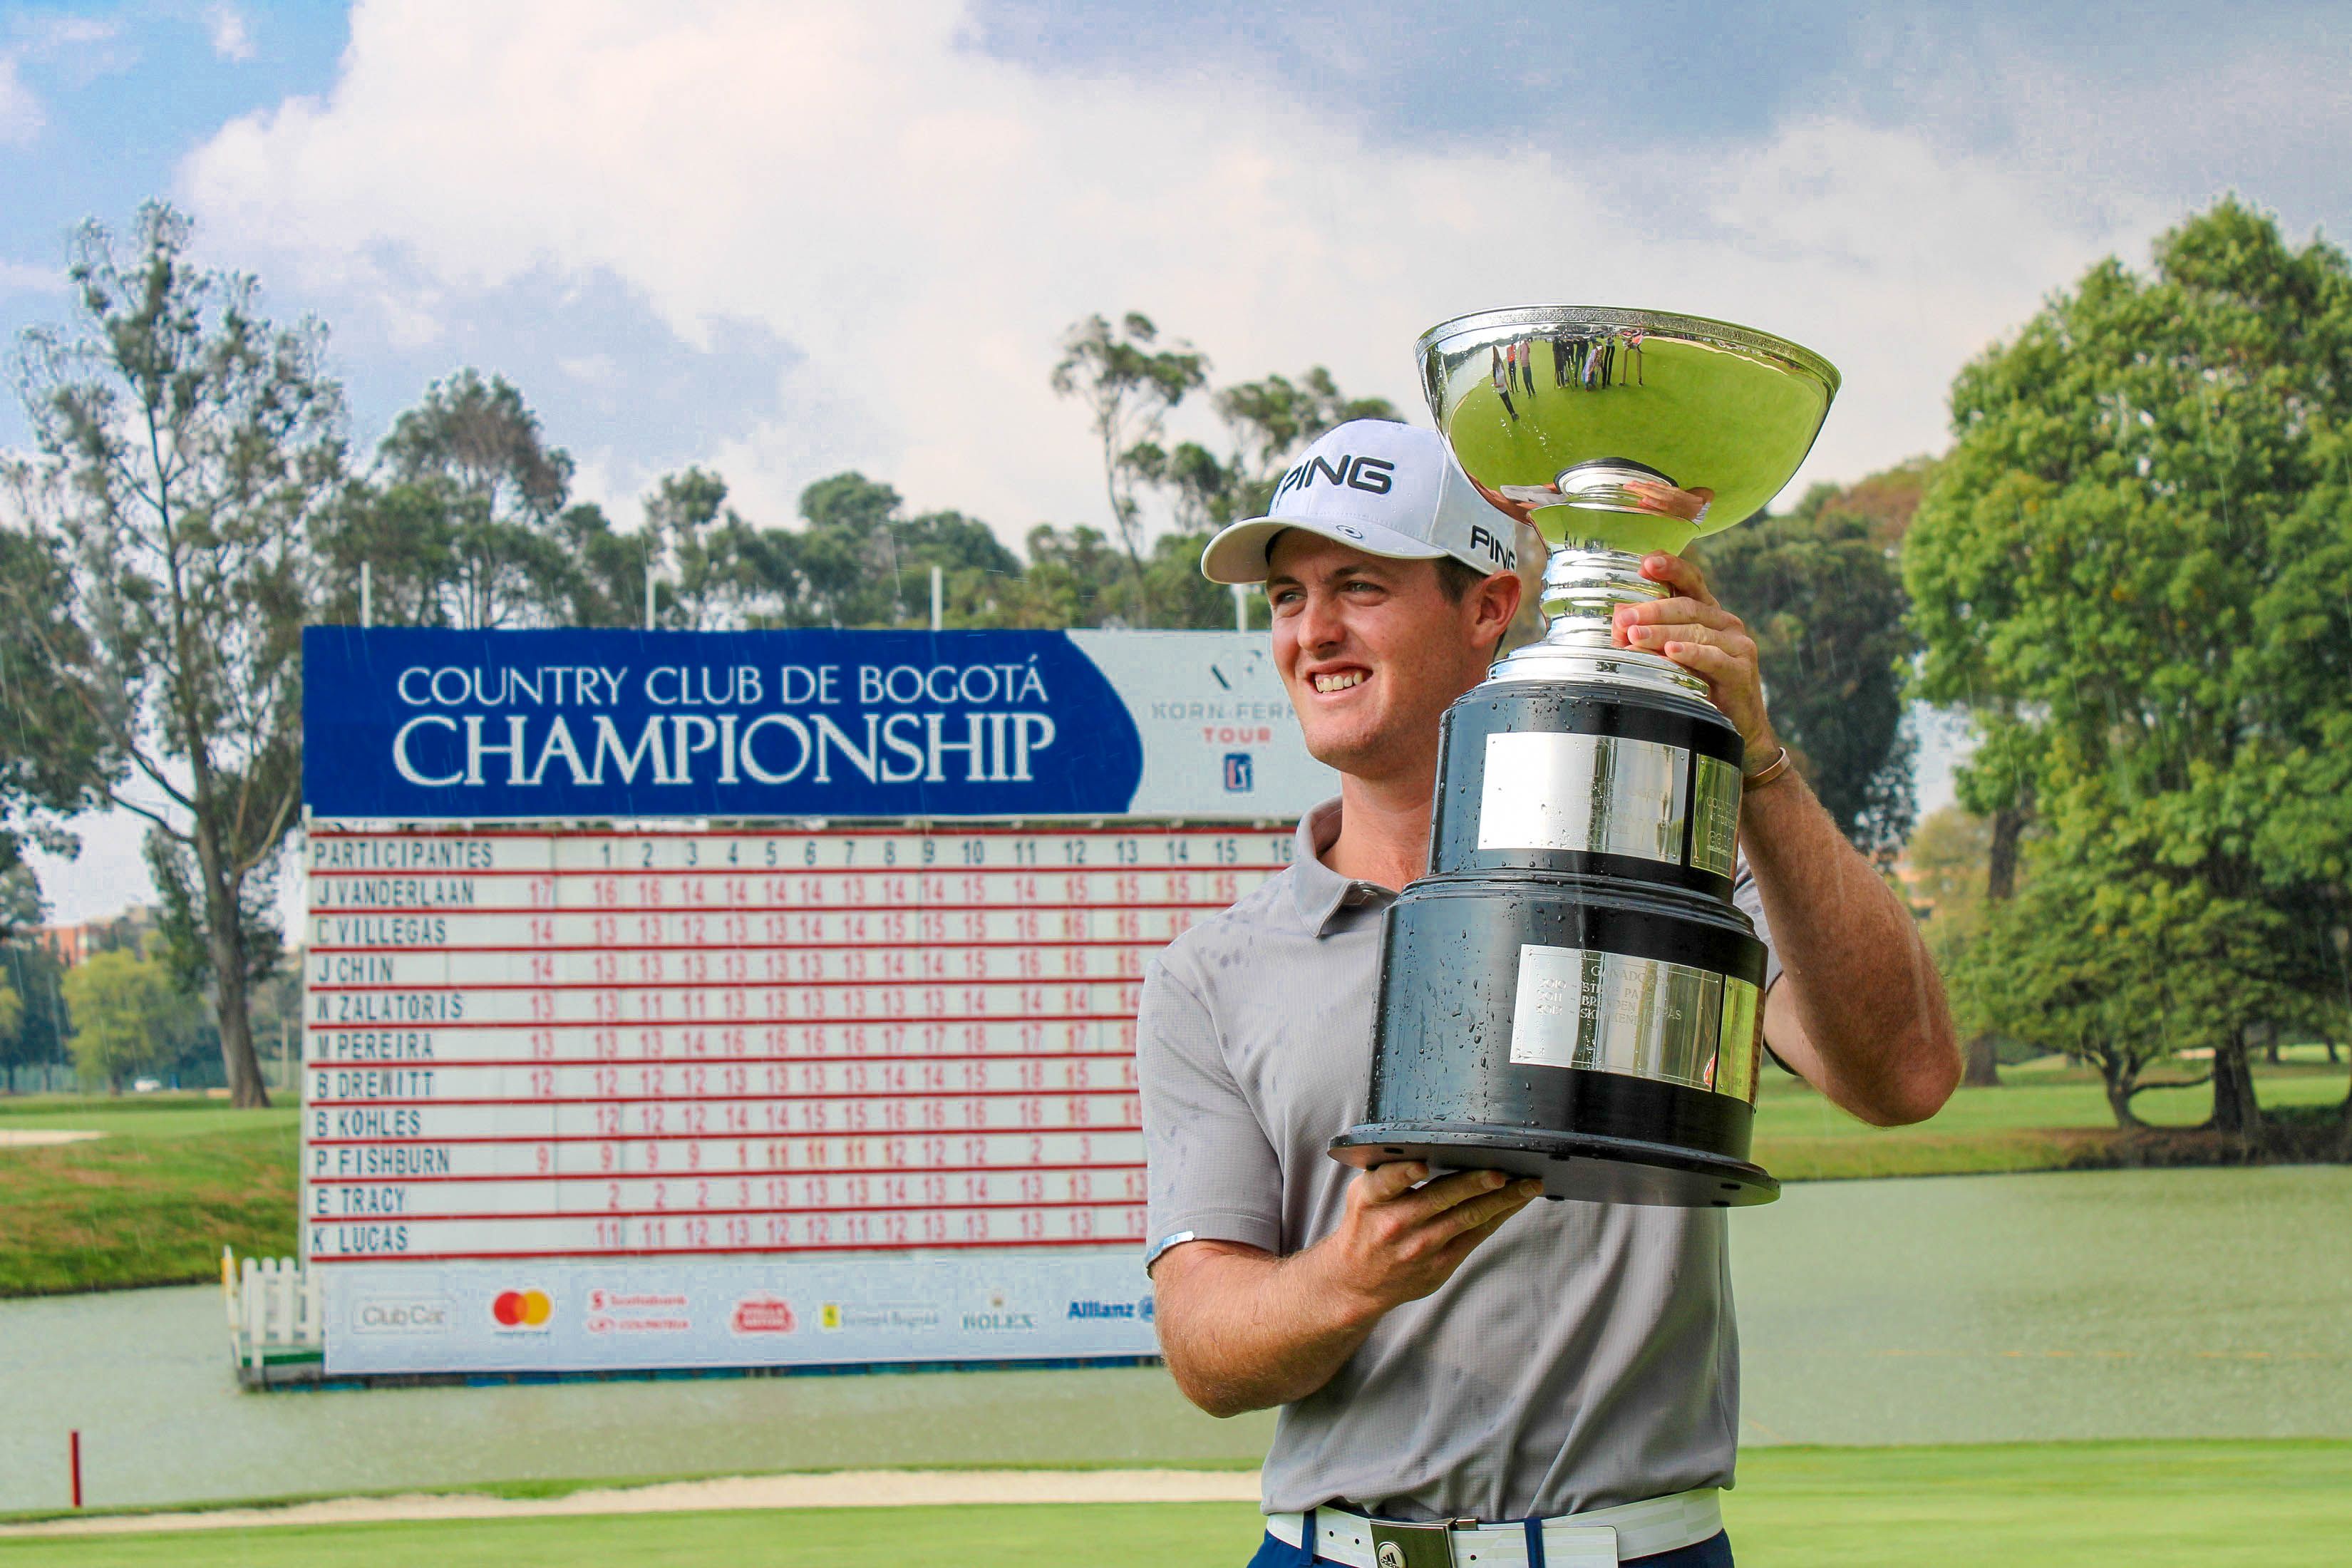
(1770,772)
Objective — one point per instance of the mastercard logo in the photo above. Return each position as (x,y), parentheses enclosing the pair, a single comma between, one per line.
(522,1309)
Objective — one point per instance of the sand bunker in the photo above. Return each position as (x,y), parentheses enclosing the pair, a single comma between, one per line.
(842,1488)
(40,1136)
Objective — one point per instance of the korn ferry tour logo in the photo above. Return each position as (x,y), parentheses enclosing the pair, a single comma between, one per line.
(412,723)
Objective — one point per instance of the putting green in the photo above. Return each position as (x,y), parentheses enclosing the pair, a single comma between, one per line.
(2151,1505)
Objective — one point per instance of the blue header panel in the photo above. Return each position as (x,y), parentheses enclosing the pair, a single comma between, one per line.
(410,724)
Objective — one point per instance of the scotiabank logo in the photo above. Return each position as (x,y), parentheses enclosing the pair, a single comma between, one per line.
(762,1315)
(522,1311)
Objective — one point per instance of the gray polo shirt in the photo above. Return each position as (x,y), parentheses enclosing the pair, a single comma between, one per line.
(1584,1356)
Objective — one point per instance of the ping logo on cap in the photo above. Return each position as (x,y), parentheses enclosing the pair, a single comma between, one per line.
(1494,548)
(1371,474)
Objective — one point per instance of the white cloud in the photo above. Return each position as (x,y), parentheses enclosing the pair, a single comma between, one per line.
(25,277)
(21,117)
(231,40)
(61,33)
(923,222)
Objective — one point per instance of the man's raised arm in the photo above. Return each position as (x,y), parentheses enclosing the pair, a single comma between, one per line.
(1859,1012)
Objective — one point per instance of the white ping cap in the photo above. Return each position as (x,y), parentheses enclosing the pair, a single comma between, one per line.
(1386,488)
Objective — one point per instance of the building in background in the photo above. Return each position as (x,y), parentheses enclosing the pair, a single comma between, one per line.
(73,944)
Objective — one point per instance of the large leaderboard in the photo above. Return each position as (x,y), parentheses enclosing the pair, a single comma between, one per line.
(627,1092)
(695,1043)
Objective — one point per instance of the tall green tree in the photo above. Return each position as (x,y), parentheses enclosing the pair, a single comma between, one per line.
(187,448)
(2134,570)
(1272,420)
(32,972)
(860,562)
(2112,958)
(1126,383)
(1820,589)
(55,756)
(126,1016)
(475,449)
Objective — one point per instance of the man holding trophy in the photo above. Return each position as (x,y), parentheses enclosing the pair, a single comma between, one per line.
(1619,894)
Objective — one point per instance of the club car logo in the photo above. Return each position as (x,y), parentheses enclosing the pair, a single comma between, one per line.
(522,1311)
(401,1315)
(762,1315)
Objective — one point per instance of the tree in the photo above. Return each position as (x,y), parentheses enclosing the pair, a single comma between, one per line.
(125,1016)
(188,448)
(55,757)
(1271,420)
(1821,592)
(2134,570)
(12,1021)
(2106,957)
(182,938)
(473,450)
(858,562)
(33,974)
(1127,386)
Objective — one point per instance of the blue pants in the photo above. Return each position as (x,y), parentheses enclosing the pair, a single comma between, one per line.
(1714,1552)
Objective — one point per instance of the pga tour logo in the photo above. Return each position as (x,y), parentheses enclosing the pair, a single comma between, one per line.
(1238,778)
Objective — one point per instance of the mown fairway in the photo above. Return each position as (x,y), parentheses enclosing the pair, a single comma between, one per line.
(174,1179)
(2092,1505)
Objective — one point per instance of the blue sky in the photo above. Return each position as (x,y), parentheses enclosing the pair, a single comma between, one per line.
(786,240)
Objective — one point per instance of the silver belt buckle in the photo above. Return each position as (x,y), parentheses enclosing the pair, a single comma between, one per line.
(1397,1543)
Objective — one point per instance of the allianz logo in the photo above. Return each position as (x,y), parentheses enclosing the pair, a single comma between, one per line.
(1134,1311)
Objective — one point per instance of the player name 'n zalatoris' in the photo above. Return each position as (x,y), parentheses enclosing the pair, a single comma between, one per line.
(387,1006)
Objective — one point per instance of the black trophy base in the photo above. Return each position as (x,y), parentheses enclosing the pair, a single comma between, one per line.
(1585,1166)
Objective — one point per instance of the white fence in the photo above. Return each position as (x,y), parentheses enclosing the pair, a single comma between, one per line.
(274,1310)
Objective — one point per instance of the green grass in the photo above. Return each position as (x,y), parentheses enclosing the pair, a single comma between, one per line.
(179,1177)
(2043,1116)
(2087,1505)
(174,1179)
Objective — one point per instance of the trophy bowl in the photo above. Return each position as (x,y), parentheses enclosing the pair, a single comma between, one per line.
(1570,992)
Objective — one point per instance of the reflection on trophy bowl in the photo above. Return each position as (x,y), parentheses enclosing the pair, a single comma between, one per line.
(1634,430)
(1571,992)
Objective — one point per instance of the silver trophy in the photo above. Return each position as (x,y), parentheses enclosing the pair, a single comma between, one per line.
(1570,993)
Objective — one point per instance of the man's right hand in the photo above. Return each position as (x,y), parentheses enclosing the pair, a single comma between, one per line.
(1398,1242)
(1243,1330)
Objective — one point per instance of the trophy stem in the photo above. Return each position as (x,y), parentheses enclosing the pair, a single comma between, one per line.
(1584,583)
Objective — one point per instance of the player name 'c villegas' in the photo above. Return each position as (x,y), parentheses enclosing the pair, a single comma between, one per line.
(380,930)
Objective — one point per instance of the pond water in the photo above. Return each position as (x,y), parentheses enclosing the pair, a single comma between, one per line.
(2091,1304)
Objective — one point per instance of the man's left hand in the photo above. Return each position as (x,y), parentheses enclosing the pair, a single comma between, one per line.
(1690,628)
